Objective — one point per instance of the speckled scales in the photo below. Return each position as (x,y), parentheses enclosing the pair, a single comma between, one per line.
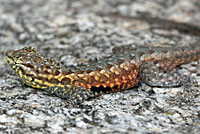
(121,70)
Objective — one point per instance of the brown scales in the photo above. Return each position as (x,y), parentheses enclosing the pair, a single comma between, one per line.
(49,73)
(114,73)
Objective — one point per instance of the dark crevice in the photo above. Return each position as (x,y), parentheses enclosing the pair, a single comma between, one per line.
(102,89)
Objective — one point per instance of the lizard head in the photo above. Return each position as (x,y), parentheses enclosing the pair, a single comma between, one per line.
(17,58)
(28,64)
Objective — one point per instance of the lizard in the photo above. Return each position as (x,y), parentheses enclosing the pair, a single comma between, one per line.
(123,69)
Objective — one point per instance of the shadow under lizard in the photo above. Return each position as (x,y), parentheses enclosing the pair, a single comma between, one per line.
(122,70)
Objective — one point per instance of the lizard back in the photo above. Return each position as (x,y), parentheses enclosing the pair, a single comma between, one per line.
(116,72)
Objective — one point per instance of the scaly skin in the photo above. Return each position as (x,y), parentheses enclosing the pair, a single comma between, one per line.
(122,70)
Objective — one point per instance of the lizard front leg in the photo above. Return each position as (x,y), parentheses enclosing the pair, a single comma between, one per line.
(74,95)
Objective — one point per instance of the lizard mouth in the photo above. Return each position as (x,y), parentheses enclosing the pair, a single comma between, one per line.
(10,59)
